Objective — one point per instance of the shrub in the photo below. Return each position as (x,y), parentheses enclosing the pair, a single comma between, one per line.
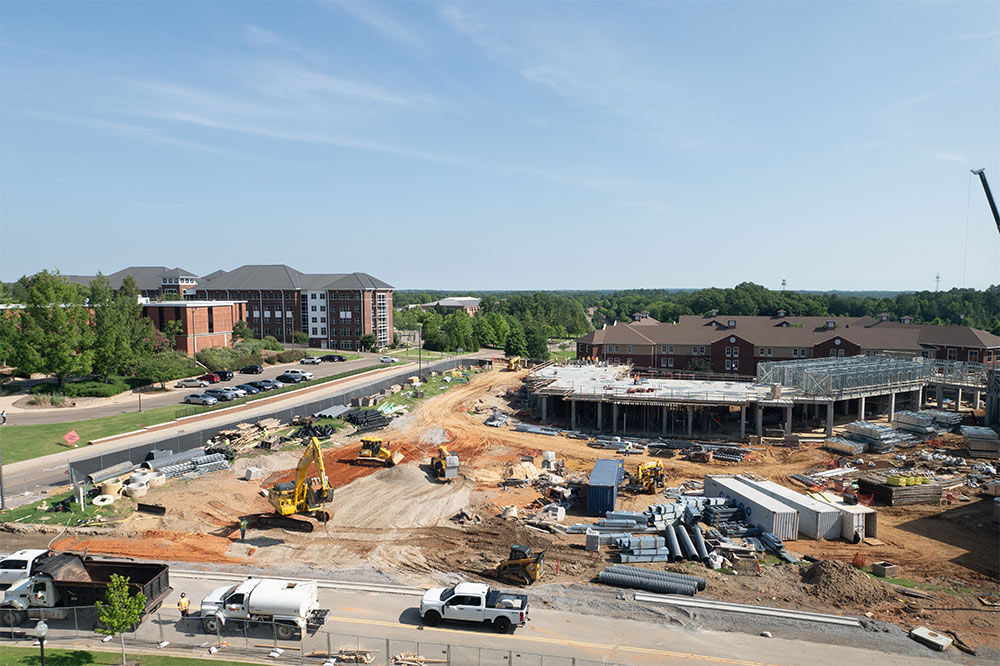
(271,344)
(300,337)
(290,356)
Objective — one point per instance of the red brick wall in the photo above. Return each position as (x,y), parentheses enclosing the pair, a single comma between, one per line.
(747,366)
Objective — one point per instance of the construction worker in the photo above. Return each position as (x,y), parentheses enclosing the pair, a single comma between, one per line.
(243,529)
(184,605)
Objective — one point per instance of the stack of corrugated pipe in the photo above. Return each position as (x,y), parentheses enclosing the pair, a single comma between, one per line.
(664,582)
(692,543)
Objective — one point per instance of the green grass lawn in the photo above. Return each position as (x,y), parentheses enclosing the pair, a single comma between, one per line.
(13,656)
(33,513)
(563,355)
(426,354)
(27,442)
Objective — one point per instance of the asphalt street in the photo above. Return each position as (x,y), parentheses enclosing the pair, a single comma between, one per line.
(388,621)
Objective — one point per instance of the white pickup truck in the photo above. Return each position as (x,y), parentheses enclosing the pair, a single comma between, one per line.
(291,606)
(21,564)
(474,602)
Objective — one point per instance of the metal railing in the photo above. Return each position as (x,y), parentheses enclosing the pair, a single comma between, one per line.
(240,639)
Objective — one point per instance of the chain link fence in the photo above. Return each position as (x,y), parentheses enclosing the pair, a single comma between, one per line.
(239,639)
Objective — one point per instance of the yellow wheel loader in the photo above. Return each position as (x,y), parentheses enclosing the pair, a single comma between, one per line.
(375,453)
(306,496)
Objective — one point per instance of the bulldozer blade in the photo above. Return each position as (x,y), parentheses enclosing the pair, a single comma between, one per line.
(397,457)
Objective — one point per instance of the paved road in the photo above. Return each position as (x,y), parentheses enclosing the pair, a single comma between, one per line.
(29,480)
(129,402)
(390,621)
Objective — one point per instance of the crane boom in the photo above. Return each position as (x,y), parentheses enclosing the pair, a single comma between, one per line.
(989,195)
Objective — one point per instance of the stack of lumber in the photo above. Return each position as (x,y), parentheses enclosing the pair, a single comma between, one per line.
(896,495)
(981,442)
(410,659)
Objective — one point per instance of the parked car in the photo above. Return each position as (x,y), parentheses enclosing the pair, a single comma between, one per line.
(388,359)
(240,393)
(224,375)
(192,382)
(310,360)
(330,358)
(211,378)
(222,394)
(201,399)
(302,373)
(252,370)
(21,564)
(290,378)
(265,385)
(249,388)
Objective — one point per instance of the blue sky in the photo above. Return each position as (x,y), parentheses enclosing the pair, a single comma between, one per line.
(507,145)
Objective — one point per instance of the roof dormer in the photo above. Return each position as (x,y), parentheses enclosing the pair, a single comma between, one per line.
(713,313)
(883,316)
(906,319)
(731,323)
(781,313)
(830,323)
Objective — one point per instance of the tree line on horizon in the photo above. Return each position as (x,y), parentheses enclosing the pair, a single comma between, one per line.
(561,310)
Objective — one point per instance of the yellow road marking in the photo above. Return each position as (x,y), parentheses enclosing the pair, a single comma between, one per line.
(559,641)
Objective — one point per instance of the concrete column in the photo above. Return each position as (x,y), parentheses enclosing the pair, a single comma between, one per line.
(664,419)
(545,410)
(892,407)
(861,408)
(975,403)
(918,395)
(600,421)
(743,421)
(690,421)
(614,416)
(940,393)
(760,421)
(958,401)
(788,420)
(829,419)
(572,414)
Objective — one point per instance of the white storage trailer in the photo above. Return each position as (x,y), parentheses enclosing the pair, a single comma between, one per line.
(760,510)
(817,520)
(857,521)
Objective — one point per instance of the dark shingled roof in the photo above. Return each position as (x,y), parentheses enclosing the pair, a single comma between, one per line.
(147,277)
(280,276)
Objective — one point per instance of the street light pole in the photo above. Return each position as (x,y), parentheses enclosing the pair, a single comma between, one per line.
(420,347)
(41,629)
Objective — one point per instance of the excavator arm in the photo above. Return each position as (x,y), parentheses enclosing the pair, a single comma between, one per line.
(989,195)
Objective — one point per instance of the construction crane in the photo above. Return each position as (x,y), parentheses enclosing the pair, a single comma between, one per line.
(375,453)
(989,195)
(521,566)
(305,496)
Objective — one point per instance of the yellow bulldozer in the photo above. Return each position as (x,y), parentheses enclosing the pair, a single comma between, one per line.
(306,496)
(439,464)
(375,453)
(521,566)
(648,478)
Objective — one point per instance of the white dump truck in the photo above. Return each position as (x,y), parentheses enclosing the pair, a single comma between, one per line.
(22,564)
(474,602)
(291,606)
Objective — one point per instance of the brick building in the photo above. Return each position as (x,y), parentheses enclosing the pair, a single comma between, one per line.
(735,344)
(154,282)
(333,309)
(204,324)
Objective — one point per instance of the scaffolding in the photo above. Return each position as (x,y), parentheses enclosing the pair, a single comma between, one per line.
(842,378)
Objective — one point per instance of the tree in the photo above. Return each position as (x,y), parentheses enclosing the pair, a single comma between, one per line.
(241,331)
(483,331)
(56,333)
(300,337)
(119,611)
(458,327)
(516,344)
(536,343)
(501,329)
(395,339)
(172,329)
(368,342)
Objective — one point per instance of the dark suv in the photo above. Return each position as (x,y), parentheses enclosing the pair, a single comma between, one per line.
(334,358)
(224,375)
(252,370)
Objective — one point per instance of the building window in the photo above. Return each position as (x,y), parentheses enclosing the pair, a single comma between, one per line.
(322,320)
(312,308)
(312,296)
(729,352)
(736,365)
(973,356)
(211,321)
(629,360)
(729,364)
(925,354)
(802,352)
(670,349)
(769,350)
(314,320)
(795,352)
(628,349)
(833,353)
(952,354)
(840,353)
(761,352)
(670,362)
(663,349)
(736,352)
(663,362)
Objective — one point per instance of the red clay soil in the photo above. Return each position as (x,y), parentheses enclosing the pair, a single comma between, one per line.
(154,545)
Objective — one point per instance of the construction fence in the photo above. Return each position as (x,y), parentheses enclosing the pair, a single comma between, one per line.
(79,469)
(259,641)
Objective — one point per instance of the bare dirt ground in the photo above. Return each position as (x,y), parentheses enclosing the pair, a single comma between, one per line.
(397,522)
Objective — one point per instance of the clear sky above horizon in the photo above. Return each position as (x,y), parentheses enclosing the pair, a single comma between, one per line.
(505,145)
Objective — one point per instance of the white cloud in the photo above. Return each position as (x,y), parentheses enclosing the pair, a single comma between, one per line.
(950,157)
(981,35)
(372,15)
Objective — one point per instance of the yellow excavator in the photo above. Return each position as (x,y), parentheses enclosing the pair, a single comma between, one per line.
(439,463)
(515,363)
(305,496)
(521,566)
(375,453)
(648,477)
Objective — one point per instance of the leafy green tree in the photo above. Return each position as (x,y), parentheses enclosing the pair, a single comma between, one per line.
(119,611)
(241,331)
(368,341)
(483,331)
(8,334)
(458,327)
(57,335)
(536,343)
(501,329)
(516,344)
(172,329)
(300,337)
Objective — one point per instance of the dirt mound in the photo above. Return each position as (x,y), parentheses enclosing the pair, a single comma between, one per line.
(843,585)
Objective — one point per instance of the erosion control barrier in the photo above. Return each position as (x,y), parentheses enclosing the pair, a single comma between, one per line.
(80,469)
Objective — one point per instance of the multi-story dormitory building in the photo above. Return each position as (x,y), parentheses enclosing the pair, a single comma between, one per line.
(333,309)
(735,344)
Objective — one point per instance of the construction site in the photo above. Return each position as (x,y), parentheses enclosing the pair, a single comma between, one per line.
(823,487)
